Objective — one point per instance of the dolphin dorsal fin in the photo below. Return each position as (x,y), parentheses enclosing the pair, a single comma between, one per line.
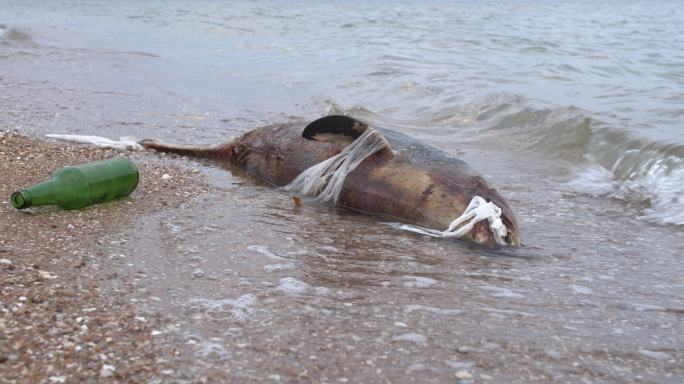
(340,129)
(336,128)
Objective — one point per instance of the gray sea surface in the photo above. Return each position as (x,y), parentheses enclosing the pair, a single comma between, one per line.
(574,110)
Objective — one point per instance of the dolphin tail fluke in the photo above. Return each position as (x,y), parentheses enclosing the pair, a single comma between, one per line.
(213,151)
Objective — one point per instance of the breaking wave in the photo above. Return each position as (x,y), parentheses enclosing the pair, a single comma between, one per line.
(655,187)
(611,162)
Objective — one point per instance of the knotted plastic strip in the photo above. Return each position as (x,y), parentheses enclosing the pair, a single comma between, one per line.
(478,209)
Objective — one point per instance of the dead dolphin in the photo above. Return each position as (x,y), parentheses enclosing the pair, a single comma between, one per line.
(410,181)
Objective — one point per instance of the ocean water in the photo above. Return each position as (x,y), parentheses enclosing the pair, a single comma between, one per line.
(574,110)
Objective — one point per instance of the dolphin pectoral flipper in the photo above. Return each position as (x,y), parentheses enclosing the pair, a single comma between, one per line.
(209,151)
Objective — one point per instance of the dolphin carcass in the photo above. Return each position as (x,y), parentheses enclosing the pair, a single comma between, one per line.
(402,178)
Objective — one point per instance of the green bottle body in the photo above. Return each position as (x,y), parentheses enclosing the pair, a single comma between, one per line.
(82,185)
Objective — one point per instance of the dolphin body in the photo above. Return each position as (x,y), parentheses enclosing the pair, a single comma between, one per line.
(409,181)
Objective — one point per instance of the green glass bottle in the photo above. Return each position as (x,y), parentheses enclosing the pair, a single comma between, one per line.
(82,185)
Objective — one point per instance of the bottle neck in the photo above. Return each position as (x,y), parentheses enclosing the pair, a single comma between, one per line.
(41,194)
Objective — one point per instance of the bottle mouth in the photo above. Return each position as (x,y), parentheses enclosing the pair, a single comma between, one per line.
(19,201)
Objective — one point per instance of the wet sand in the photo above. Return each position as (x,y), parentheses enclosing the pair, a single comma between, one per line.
(60,321)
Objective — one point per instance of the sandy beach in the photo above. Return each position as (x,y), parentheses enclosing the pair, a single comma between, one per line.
(57,319)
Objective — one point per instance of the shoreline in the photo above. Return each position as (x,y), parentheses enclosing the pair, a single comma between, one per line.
(60,321)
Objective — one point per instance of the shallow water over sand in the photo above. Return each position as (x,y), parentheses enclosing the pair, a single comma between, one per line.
(572,111)
(601,84)
(256,284)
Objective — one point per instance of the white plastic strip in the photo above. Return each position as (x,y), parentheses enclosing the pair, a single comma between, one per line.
(124,143)
(478,209)
(324,180)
